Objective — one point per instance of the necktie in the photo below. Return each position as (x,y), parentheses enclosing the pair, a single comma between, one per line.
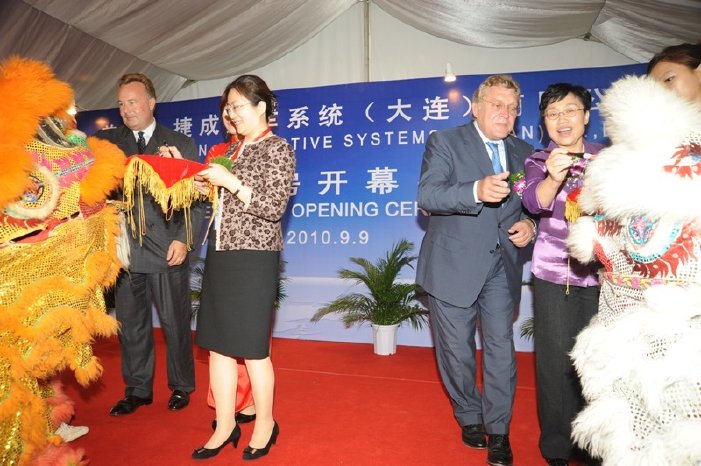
(141,143)
(496,163)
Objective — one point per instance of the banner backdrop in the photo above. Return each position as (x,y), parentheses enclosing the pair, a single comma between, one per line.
(359,150)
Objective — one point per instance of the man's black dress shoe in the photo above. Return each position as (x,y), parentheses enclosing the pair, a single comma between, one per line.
(128,405)
(557,462)
(499,451)
(178,400)
(474,437)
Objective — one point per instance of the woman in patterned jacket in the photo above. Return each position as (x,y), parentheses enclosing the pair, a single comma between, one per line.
(239,285)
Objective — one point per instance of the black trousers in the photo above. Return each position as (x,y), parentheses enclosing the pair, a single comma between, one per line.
(558,318)
(135,295)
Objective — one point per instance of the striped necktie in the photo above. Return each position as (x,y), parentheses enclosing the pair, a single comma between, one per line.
(141,143)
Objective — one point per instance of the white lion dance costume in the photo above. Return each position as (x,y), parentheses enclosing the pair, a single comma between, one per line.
(58,251)
(640,358)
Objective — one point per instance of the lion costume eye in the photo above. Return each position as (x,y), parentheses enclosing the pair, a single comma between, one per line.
(39,199)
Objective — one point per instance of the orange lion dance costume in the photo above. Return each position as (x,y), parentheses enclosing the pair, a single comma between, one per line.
(58,252)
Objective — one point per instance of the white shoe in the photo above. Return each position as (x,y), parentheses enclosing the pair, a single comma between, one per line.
(69,433)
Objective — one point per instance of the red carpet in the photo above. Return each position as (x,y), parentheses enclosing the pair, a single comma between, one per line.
(336,404)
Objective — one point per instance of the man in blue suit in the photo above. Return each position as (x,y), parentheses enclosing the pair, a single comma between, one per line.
(471,260)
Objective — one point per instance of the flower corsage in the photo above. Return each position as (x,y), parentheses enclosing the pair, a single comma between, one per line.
(518,182)
(222,160)
(227,163)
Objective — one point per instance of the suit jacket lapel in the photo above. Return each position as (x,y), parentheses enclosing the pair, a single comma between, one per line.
(510,156)
(157,139)
(512,165)
(475,146)
(127,141)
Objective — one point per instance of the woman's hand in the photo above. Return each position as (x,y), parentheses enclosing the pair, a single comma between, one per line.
(558,164)
(218,175)
(201,185)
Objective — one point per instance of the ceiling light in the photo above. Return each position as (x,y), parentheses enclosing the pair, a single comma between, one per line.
(449,76)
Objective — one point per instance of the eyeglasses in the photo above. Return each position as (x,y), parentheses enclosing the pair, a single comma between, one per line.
(500,107)
(552,115)
(234,108)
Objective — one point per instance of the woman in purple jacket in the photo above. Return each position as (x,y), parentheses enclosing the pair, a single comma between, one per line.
(566,293)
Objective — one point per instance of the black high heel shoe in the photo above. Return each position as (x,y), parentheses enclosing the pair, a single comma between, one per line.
(204,453)
(241,418)
(250,453)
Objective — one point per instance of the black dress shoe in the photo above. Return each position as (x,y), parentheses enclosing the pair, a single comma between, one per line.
(250,453)
(128,405)
(474,437)
(241,418)
(499,451)
(557,462)
(178,400)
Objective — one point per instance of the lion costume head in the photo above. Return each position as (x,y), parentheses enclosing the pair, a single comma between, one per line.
(639,360)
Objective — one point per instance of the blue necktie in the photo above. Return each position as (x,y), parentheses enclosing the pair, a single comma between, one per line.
(496,163)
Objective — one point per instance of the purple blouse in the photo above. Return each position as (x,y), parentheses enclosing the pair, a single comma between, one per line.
(550,251)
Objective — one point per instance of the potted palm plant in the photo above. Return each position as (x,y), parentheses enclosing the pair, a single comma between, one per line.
(388,302)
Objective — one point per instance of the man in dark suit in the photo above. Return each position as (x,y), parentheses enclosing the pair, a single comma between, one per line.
(471,261)
(159,269)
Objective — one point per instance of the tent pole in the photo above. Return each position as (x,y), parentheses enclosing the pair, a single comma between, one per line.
(366,41)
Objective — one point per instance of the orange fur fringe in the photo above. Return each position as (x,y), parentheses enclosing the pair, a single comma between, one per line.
(105,174)
(60,455)
(28,92)
(62,407)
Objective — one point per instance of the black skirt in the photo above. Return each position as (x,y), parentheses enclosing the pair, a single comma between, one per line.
(236,305)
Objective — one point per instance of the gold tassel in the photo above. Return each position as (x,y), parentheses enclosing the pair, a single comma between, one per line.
(179,196)
(572,211)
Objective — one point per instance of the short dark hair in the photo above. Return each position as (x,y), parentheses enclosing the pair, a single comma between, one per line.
(138,78)
(254,89)
(684,54)
(558,91)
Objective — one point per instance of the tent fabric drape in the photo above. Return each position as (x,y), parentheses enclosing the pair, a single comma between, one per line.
(205,39)
(634,28)
(90,44)
(523,23)
(91,65)
(640,28)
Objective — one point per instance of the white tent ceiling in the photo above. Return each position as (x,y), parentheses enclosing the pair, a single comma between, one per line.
(90,43)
